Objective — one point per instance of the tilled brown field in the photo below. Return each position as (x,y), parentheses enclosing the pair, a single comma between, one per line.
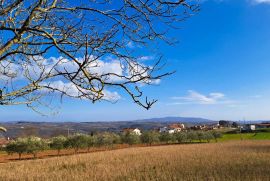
(240,160)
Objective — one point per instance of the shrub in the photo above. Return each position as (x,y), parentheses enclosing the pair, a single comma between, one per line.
(216,135)
(150,137)
(34,145)
(77,141)
(91,141)
(208,136)
(26,145)
(19,146)
(181,137)
(167,137)
(58,143)
(106,139)
(130,138)
(192,135)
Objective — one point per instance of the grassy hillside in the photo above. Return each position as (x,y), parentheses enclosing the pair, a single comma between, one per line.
(237,160)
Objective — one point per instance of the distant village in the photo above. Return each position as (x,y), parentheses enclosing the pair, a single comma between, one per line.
(222,124)
(170,128)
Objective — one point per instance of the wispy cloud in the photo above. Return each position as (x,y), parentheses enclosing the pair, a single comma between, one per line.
(194,97)
(261,1)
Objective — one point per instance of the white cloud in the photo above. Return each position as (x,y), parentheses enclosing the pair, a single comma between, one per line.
(261,1)
(130,45)
(194,97)
(145,58)
(73,91)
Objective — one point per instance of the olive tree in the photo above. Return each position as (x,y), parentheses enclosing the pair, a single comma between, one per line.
(216,135)
(58,143)
(77,142)
(150,137)
(167,137)
(93,46)
(191,136)
(91,141)
(181,137)
(34,145)
(19,146)
(107,139)
(26,145)
(130,138)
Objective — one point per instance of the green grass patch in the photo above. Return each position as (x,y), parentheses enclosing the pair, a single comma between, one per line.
(246,136)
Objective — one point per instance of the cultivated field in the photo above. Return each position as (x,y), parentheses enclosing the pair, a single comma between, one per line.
(238,160)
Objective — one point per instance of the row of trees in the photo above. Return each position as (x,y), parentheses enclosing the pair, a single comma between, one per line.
(32,145)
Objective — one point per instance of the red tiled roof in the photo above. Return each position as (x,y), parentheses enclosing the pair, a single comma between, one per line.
(174,126)
(3,141)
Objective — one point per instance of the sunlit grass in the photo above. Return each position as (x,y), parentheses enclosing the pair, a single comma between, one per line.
(236,160)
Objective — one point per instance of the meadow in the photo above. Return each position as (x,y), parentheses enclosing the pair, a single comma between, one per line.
(233,160)
(246,136)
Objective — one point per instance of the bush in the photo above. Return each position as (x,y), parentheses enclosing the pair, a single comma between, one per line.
(130,138)
(19,146)
(91,141)
(208,136)
(181,137)
(58,143)
(35,144)
(167,137)
(77,141)
(150,137)
(26,145)
(216,135)
(106,139)
(192,135)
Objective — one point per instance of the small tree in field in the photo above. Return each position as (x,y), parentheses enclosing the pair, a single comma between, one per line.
(150,137)
(192,135)
(77,141)
(26,145)
(167,137)
(130,138)
(58,143)
(201,135)
(34,145)
(91,142)
(181,137)
(19,146)
(208,136)
(216,135)
(106,139)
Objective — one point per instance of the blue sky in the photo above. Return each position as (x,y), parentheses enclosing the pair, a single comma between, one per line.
(223,71)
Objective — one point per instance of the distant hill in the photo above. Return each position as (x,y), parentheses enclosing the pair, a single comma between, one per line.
(177,119)
(49,129)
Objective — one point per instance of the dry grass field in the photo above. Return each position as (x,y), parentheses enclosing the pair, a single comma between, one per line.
(236,160)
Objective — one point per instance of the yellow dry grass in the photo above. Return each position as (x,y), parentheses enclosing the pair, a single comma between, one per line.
(242,160)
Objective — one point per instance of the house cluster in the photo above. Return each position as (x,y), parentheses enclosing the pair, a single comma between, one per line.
(172,128)
(253,127)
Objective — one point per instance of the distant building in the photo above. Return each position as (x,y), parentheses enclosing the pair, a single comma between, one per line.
(213,126)
(263,125)
(200,127)
(133,130)
(249,127)
(173,128)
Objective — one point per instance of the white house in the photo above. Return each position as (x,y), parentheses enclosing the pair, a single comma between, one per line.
(132,130)
(137,131)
